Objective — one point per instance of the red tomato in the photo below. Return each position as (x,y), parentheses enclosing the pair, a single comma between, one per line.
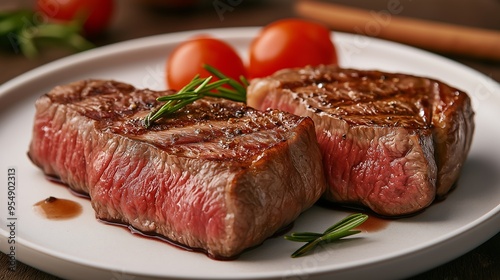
(290,43)
(97,13)
(188,58)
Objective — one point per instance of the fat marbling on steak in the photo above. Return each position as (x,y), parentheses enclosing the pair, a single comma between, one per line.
(391,142)
(217,175)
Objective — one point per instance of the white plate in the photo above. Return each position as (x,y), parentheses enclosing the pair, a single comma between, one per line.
(85,248)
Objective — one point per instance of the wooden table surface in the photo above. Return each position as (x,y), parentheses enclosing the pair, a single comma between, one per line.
(134,20)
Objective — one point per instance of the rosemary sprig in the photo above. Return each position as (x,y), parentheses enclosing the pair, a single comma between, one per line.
(199,88)
(333,233)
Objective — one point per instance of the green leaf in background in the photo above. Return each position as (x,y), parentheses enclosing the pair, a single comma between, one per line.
(23,30)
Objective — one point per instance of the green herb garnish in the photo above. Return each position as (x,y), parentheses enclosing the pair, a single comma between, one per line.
(23,30)
(197,89)
(333,233)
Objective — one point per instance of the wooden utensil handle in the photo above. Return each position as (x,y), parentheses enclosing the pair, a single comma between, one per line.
(434,36)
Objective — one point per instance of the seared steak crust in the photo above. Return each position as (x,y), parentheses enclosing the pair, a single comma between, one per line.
(391,142)
(216,176)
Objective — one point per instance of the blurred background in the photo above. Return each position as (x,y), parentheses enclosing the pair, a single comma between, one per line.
(139,18)
(130,19)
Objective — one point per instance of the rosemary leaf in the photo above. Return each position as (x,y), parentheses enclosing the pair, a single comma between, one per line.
(339,230)
(307,247)
(196,89)
(350,221)
(176,97)
(234,84)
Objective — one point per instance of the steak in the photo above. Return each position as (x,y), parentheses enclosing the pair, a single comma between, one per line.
(216,176)
(390,142)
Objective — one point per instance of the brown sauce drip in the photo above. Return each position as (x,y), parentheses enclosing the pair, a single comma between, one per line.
(57,208)
(374,222)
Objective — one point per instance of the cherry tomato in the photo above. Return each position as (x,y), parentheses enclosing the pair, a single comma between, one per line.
(290,43)
(97,13)
(188,58)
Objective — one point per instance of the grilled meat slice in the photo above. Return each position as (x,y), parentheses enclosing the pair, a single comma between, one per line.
(217,176)
(391,142)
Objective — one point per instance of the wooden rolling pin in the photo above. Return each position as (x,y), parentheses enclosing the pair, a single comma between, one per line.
(434,36)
